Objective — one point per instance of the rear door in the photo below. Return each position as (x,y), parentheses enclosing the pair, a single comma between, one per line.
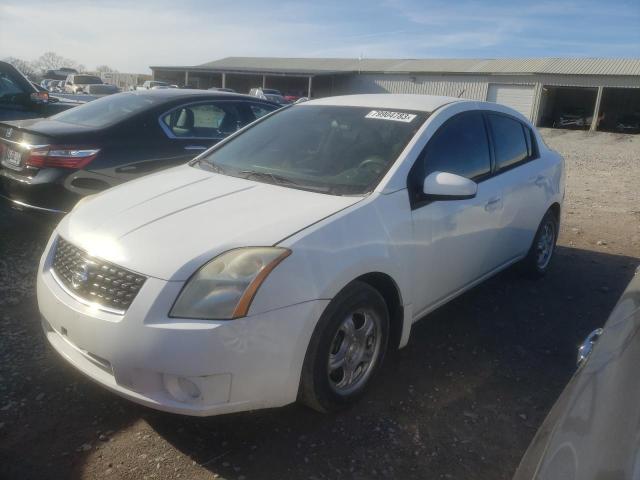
(521,176)
(179,134)
(195,127)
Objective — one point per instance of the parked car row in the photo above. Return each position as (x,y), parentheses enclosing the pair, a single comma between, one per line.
(88,84)
(579,118)
(76,83)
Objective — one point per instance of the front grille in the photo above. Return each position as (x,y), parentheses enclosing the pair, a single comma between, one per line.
(95,280)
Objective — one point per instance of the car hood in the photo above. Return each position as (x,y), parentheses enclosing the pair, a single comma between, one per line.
(169,224)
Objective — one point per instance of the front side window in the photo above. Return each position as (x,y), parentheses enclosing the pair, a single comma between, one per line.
(460,146)
(509,141)
(204,120)
(337,150)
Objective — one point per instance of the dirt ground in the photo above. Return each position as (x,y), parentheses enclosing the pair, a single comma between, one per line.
(461,401)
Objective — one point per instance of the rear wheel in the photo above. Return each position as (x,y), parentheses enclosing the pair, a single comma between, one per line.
(537,261)
(346,349)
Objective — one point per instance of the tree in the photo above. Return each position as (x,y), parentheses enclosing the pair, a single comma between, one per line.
(27,68)
(53,61)
(105,69)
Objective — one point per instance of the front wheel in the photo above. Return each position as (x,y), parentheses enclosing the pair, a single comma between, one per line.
(537,261)
(346,349)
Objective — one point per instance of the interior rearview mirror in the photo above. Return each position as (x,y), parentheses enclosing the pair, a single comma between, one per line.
(449,186)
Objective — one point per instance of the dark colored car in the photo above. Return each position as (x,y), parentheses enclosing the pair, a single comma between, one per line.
(593,430)
(60,73)
(49,164)
(629,123)
(20,98)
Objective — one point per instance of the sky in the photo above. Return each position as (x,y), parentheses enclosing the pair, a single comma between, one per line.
(132,35)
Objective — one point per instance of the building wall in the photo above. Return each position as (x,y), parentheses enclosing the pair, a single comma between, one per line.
(466,87)
(473,87)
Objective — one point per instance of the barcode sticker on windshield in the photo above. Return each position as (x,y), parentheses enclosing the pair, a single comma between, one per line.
(394,116)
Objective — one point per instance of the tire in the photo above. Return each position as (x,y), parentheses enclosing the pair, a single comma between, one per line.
(353,328)
(538,260)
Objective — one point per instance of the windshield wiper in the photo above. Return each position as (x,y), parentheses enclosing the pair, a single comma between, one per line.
(281,180)
(208,165)
(275,178)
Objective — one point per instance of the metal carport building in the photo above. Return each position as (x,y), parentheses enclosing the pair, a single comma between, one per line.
(540,88)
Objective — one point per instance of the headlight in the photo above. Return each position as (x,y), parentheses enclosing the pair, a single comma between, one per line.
(224,288)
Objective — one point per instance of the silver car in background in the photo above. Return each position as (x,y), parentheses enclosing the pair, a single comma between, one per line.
(593,430)
(88,84)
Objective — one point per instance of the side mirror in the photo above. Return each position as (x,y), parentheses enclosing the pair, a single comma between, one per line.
(449,186)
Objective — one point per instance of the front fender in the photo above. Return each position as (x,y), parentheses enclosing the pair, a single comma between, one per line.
(371,236)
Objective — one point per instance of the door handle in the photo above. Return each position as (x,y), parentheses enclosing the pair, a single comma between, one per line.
(195,147)
(492,204)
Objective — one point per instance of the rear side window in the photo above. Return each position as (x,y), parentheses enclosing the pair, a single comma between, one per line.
(107,110)
(460,146)
(206,120)
(260,110)
(510,144)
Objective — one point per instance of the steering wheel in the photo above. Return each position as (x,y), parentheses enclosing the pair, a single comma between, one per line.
(373,164)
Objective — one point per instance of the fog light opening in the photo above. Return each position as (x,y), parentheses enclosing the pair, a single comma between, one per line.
(182,388)
(188,387)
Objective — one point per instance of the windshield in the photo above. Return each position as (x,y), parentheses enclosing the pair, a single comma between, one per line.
(107,110)
(86,80)
(331,149)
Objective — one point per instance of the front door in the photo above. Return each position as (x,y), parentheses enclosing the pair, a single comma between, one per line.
(453,239)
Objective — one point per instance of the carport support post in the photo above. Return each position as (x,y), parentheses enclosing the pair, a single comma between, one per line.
(310,84)
(264,81)
(186,78)
(596,111)
(224,80)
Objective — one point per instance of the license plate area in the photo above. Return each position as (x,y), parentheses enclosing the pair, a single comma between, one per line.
(11,158)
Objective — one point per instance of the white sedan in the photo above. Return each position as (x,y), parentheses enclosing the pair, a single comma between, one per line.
(282,263)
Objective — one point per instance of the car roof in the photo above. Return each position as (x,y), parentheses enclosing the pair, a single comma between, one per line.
(176,93)
(425,103)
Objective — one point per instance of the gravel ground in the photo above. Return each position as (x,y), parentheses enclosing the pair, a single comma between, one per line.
(462,400)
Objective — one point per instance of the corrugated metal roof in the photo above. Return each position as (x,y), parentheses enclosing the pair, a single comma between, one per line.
(563,66)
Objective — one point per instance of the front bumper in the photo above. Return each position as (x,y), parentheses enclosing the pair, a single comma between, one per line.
(177,365)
